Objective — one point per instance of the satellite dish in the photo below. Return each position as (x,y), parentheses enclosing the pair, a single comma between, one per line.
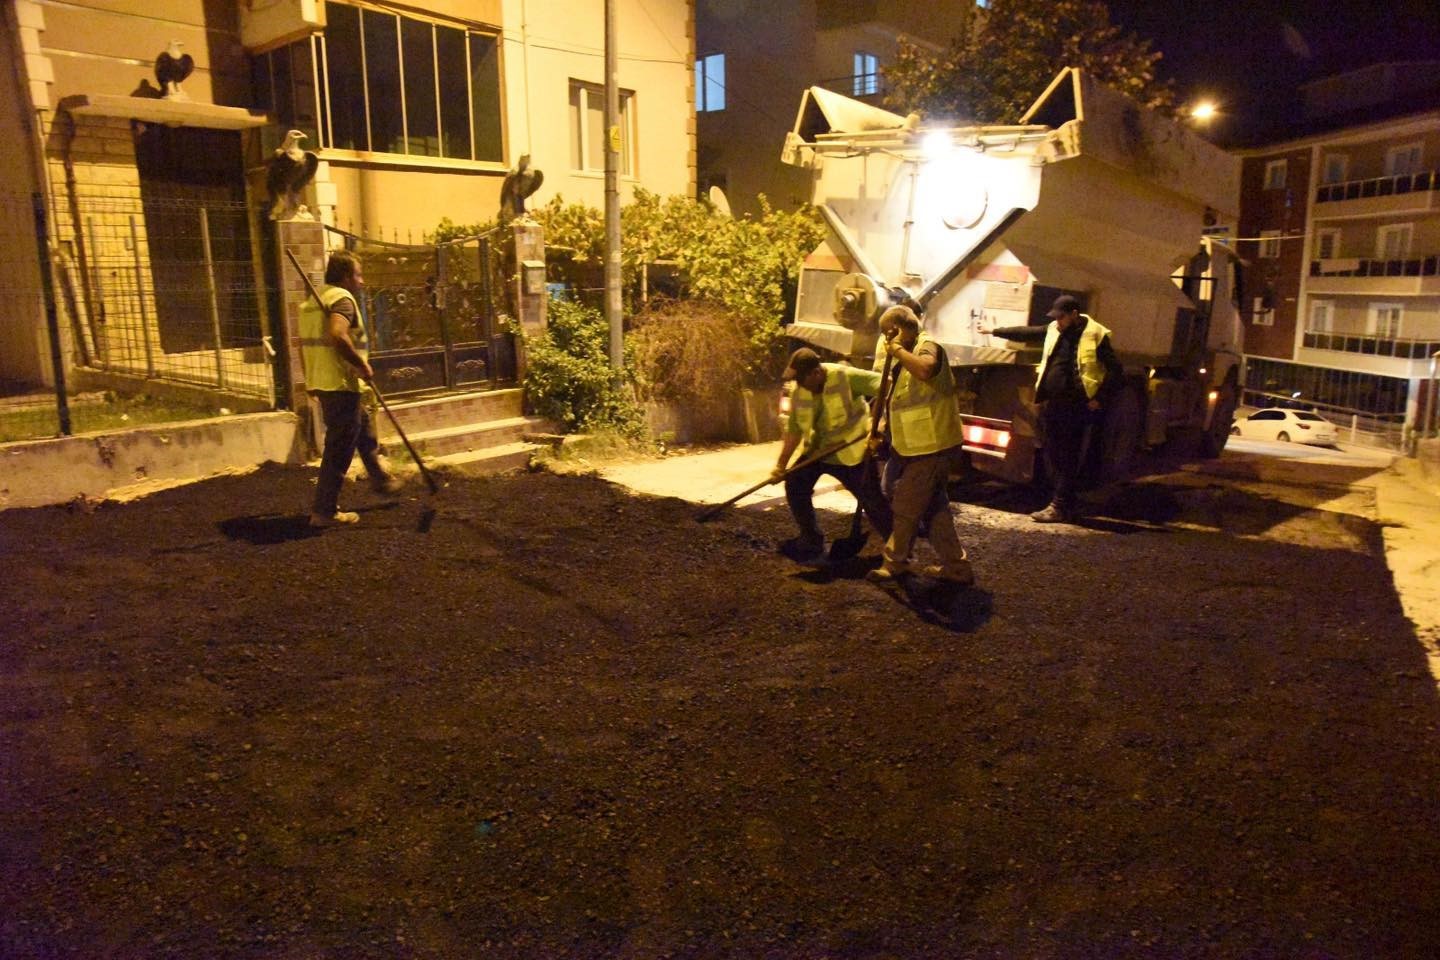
(718,201)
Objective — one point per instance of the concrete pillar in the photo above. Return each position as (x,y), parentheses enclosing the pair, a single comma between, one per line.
(306,239)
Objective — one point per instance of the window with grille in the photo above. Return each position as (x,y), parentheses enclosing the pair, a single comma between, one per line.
(710,83)
(587,128)
(1383,320)
(1392,242)
(383,83)
(1404,159)
(866,79)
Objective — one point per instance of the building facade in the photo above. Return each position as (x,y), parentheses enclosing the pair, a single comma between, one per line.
(417,112)
(754,60)
(1342,231)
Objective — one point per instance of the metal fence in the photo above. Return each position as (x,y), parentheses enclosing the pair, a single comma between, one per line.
(158,307)
(1368,408)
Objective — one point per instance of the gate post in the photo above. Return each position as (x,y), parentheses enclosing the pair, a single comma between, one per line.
(530,303)
(306,239)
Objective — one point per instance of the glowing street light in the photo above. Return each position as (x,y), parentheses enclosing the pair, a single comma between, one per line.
(1204,111)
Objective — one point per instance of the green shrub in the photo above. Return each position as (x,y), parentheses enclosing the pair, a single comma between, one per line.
(568,377)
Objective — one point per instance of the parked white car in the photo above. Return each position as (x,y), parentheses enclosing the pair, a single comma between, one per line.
(1287,426)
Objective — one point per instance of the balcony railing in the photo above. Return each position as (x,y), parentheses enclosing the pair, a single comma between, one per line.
(862,86)
(1373,346)
(1379,186)
(1363,267)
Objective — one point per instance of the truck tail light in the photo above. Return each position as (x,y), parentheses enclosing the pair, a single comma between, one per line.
(983,435)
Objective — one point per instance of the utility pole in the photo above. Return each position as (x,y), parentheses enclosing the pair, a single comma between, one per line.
(612,195)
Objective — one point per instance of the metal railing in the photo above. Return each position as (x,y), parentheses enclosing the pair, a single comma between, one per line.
(1367,267)
(861,86)
(1378,187)
(1371,345)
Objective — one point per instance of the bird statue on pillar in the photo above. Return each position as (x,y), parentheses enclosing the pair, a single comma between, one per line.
(171,67)
(290,170)
(519,183)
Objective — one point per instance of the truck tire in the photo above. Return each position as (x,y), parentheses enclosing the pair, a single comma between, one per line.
(1123,432)
(1222,422)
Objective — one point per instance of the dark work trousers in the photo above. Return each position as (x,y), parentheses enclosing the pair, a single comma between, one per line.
(861,479)
(1064,423)
(348,429)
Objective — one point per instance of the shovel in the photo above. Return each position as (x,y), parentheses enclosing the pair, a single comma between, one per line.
(849,546)
(710,513)
(425,473)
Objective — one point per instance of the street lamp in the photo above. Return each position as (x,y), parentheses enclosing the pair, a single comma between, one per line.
(1204,111)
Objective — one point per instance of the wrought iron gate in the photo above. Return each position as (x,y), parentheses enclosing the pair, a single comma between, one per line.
(436,314)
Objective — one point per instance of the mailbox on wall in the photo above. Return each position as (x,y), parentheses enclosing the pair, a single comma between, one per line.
(532,277)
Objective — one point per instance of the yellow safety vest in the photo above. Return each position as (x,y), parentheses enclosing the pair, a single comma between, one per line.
(1087,355)
(325,369)
(924,414)
(847,417)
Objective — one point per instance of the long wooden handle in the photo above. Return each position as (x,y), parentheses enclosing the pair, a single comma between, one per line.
(821,455)
(409,448)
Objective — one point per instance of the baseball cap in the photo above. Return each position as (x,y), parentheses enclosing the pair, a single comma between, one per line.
(802,361)
(1063,304)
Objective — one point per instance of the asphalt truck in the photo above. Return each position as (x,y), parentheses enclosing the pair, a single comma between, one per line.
(1090,194)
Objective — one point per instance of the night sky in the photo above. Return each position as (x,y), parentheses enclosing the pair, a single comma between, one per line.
(1250,54)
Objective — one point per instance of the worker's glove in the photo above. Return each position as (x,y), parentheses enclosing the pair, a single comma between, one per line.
(893,346)
(777,474)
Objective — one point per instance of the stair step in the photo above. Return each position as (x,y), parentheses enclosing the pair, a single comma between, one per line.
(497,459)
(474,436)
(452,410)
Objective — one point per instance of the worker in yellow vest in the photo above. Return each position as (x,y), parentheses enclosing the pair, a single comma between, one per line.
(1078,374)
(334,349)
(925,436)
(828,409)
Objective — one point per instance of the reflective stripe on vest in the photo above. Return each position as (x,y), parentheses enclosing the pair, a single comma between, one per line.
(924,414)
(846,416)
(1087,354)
(325,369)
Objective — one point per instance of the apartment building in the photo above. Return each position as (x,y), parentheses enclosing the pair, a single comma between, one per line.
(754,60)
(417,111)
(1341,226)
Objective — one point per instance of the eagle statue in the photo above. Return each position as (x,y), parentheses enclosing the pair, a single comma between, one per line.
(289,171)
(519,183)
(171,67)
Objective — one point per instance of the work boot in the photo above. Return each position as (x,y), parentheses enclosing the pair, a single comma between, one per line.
(336,519)
(1052,514)
(804,550)
(888,572)
(386,485)
(961,573)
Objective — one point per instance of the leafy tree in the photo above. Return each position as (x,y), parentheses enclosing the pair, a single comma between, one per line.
(1009,53)
(568,376)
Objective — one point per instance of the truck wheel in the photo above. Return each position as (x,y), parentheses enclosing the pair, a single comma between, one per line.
(1121,443)
(1222,423)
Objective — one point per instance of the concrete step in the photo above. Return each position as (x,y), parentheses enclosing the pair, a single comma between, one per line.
(474,437)
(452,410)
(498,459)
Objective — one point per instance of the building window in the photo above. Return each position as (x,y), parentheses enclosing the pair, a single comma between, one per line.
(1260,315)
(1336,168)
(710,83)
(1269,244)
(866,79)
(587,128)
(1322,316)
(1327,244)
(1275,175)
(1392,242)
(1404,160)
(383,83)
(1383,320)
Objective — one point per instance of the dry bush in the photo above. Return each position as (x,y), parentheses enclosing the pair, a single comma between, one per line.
(692,353)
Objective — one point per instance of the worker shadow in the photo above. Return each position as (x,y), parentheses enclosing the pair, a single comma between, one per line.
(946,605)
(268,529)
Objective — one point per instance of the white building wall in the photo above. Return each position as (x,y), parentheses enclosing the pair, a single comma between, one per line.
(549,44)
